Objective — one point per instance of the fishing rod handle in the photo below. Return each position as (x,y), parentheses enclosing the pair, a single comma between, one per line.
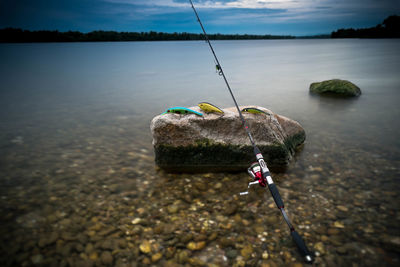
(267,177)
(276,196)
(301,246)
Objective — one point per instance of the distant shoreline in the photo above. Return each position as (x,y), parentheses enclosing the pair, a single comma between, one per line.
(390,28)
(11,35)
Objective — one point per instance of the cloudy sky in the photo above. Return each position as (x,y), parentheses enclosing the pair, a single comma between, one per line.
(291,17)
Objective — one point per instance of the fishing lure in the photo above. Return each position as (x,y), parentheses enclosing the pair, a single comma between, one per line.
(207,107)
(255,111)
(182,110)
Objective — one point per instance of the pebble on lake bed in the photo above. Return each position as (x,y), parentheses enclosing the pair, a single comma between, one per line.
(145,247)
(106,258)
(338,224)
(156,257)
(196,245)
(342,208)
(246,251)
(320,247)
(136,221)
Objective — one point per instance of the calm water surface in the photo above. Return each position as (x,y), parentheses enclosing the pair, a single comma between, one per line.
(79,187)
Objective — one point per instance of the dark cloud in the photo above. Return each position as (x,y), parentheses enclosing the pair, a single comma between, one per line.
(286,17)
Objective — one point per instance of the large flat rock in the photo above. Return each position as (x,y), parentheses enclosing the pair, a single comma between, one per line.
(217,142)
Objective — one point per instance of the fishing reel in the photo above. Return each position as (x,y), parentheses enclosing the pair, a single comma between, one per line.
(255,172)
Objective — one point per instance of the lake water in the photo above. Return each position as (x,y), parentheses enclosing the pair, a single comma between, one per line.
(79,187)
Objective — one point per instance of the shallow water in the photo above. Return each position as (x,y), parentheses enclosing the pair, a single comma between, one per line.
(78,184)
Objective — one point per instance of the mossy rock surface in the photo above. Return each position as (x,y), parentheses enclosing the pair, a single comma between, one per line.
(215,142)
(218,157)
(335,87)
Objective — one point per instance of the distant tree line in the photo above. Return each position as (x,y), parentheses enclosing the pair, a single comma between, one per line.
(12,35)
(389,28)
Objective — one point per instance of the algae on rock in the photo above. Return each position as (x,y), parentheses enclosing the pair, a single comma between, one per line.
(335,87)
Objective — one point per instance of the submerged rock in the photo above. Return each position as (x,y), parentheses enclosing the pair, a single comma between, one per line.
(335,87)
(218,142)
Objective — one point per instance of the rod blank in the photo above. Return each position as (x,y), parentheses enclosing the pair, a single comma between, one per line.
(265,172)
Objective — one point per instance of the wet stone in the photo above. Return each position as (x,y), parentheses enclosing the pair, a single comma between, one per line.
(107,231)
(246,251)
(185,237)
(145,247)
(146,261)
(106,258)
(169,229)
(342,208)
(79,247)
(320,248)
(333,231)
(159,229)
(231,253)
(321,230)
(272,219)
(136,221)
(107,244)
(218,186)
(85,263)
(37,259)
(226,242)
(196,262)
(93,256)
(122,243)
(342,250)
(170,252)
(230,209)
(201,186)
(89,248)
(68,236)
(196,245)
(156,257)
(368,229)
(336,240)
(212,236)
(287,256)
(173,208)
(200,237)
(66,249)
(48,240)
(395,241)
(324,238)
(338,224)
(182,256)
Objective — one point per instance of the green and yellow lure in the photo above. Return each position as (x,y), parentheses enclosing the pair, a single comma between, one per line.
(255,111)
(208,108)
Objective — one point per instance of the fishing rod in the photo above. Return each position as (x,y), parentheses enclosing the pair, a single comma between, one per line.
(260,171)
